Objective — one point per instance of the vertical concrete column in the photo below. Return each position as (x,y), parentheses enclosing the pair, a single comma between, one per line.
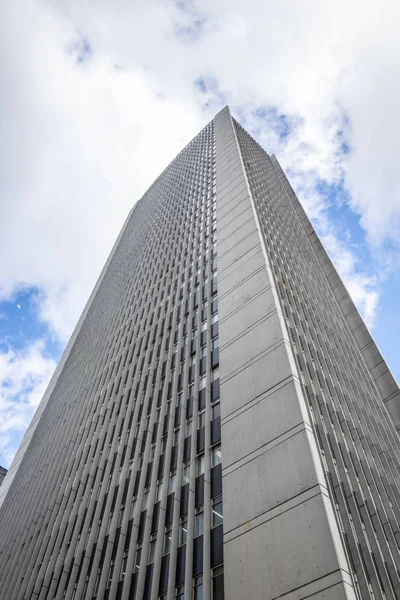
(280,534)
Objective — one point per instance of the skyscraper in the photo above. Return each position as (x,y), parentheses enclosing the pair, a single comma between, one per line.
(221,424)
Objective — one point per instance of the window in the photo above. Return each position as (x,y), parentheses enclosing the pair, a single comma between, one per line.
(215,410)
(215,456)
(167,539)
(180,592)
(96,583)
(186,474)
(215,343)
(200,465)
(172,482)
(152,452)
(218,583)
(188,428)
(145,500)
(199,522)
(215,375)
(152,550)
(159,489)
(202,419)
(183,531)
(123,565)
(217,511)
(137,559)
(202,383)
(198,588)
(176,436)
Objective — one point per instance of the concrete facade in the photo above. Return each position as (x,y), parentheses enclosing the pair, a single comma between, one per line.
(3,473)
(221,424)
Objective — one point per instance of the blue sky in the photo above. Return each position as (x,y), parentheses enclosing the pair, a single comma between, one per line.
(97,100)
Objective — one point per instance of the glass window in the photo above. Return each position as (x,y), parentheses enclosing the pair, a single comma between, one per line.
(180,592)
(198,588)
(137,559)
(152,551)
(199,522)
(183,531)
(215,410)
(188,428)
(110,574)
(202,383)
(186,474)
(215,456)
(152,452)
(217,511)
(202,419)
(123,565)
(159,488)
(167,539)
(200,465)
(172,482)
(218,583)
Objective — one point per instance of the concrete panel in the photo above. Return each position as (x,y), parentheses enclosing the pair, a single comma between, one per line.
(230,253)
(281,555)
(249,311)
(234,233)
(245,292)
(278,412)
(231,210)
(393,406)
(254,379)
(232,223)
(251,344)
(276,475)
(247,264)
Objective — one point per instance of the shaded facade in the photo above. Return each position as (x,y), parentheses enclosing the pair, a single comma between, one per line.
(3,473)
(221,424)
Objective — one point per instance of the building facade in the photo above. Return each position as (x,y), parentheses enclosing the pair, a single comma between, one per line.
(3,473)
(221,424)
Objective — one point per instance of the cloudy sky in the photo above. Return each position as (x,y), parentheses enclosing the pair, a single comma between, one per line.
(98,97)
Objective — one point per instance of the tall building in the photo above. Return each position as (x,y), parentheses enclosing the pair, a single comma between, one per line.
(221,424)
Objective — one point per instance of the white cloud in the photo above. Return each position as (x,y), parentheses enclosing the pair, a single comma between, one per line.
(24,376)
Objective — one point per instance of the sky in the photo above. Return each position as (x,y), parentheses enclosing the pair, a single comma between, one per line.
(98,97)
